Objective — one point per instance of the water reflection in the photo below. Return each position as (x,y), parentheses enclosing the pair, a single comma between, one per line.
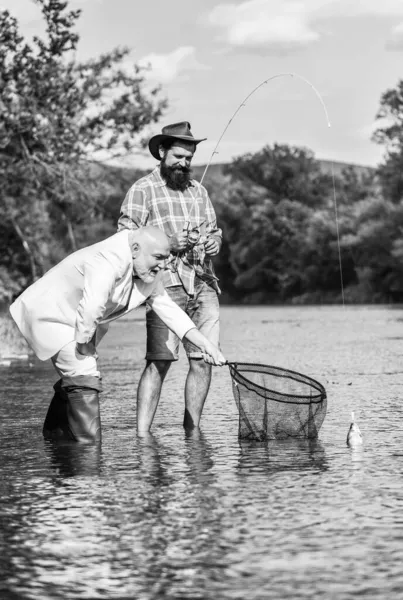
(281,455)
(357,453)
(69,459)
(169,524)
(199,458)
(202,514)
(150,458)
(195,538)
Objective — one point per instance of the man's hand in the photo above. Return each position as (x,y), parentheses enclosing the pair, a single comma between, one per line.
(212,246)
(212,355)
(87,349)
(178,241)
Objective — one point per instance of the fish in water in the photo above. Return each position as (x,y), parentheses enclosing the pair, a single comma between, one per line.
(354,437)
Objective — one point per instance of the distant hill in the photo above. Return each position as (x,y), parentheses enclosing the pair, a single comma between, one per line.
(326,166)
(130,175)
(120,179)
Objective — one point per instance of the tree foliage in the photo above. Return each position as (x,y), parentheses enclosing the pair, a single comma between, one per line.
(283,238)
(287,222)
(56,114)
(286,172)
(390,135)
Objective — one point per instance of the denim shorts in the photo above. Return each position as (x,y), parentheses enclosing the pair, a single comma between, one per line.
(202,308)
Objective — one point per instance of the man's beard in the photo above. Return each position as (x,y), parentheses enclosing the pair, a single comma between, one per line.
(177,178)
(141,271)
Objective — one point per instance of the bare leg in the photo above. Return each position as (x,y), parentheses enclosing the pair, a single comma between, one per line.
(196,390)
(148,392)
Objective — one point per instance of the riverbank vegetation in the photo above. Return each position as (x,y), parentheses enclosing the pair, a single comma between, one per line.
(288,224)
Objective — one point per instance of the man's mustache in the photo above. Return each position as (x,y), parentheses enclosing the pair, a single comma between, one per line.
(182,169)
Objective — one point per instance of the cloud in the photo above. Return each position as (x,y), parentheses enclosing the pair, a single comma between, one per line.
(256,23)
(287,25)
(166,67)
(395,42)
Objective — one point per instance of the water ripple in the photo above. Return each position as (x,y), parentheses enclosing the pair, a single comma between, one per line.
(205,515)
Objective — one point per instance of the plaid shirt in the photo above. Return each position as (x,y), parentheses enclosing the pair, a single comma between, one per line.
(151,202)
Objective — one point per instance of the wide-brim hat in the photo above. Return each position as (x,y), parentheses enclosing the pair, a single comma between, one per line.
(176,131)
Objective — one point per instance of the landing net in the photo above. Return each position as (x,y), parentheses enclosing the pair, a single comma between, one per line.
(276,403)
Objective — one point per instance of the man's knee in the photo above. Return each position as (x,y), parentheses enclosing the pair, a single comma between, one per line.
(197,365)
(158,367)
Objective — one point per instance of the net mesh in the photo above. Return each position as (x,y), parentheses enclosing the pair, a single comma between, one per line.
(276,403)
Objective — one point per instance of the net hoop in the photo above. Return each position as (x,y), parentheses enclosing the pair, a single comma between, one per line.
(313,398)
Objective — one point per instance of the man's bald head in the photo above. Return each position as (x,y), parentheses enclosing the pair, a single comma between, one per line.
(150,249)
(148,237)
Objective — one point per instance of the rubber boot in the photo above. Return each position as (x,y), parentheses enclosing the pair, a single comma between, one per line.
(74,410)
(56,418)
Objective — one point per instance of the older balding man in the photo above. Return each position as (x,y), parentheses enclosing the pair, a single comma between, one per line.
(64,315)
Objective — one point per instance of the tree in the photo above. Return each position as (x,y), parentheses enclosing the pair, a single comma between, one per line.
(56,114)
(280,241)
(390,135)
(286,172)
(373,238)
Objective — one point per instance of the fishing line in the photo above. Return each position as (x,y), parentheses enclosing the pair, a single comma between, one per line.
(338,234)
(241,105)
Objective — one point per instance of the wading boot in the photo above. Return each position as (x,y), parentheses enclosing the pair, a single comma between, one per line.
(74,410)
(56,419)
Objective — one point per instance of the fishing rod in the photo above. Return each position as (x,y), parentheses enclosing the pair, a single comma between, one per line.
(243,104)
(233,366)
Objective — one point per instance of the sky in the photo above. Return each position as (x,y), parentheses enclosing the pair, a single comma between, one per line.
(210,55)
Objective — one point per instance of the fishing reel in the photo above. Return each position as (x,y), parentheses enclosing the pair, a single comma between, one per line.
(194,236)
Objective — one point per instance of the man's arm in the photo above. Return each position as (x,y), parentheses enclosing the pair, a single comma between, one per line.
(211,354)
(134,211)
(214,234)
(99,280)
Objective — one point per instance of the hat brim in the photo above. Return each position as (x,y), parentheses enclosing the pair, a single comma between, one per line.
(154,143)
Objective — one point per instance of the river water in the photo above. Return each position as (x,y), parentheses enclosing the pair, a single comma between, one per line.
(206,515)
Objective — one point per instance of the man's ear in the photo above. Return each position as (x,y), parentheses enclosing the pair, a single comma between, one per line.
(161,151)
(135,249)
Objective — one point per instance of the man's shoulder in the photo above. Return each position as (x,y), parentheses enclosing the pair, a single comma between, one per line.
(114,248)
(146,181)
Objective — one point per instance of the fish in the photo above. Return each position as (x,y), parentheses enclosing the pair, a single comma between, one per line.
(354,436)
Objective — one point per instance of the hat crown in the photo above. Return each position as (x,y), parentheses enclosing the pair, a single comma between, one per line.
(175,131)
(182,128)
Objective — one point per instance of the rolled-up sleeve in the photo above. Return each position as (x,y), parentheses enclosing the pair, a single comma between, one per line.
(134,211)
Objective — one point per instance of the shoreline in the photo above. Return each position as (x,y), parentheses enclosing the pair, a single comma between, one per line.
(14,348)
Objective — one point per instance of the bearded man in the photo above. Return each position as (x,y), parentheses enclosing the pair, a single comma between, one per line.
(170,199)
